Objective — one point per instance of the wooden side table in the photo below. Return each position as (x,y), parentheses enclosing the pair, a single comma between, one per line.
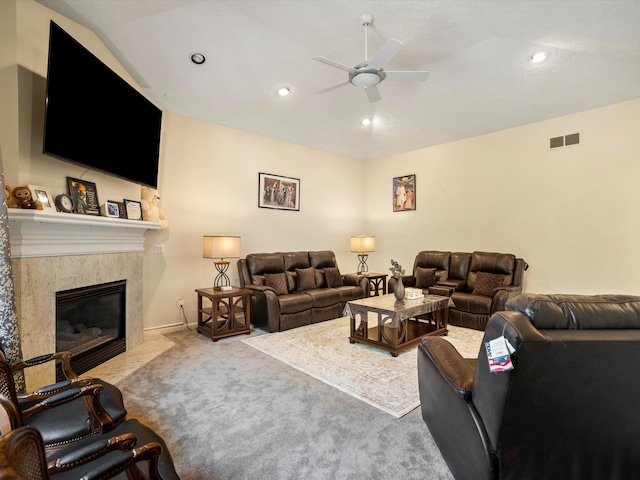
(377,282)
(228,313)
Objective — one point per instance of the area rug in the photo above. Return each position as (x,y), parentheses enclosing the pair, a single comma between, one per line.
(372,375)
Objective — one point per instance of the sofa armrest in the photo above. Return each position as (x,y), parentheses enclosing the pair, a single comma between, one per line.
(501,295)
(265,308)
(442,290)
(357,281)
(455,370)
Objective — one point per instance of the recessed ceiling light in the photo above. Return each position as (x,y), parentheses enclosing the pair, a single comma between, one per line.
(284,91)
(539,57)
(366,121)
(198,58)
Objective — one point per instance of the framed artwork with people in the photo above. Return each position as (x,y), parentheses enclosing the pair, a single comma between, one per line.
(275,191)
(404,193)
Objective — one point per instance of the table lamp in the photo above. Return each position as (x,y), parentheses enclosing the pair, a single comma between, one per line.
(362,245)
(221,247)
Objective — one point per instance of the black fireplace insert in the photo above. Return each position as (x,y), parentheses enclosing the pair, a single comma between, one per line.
(90,323)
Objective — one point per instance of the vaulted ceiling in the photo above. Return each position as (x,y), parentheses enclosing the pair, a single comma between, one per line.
(477,53)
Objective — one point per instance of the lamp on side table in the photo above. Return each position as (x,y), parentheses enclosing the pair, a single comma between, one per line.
(362,246)
(221,247)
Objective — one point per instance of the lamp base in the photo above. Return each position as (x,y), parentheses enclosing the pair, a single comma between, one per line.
(362,267)
(222,280)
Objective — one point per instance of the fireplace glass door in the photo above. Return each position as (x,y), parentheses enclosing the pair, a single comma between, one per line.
(90,323)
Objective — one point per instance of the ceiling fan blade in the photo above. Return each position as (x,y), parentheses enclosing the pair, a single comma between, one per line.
(407,76)
(325,60)
(373,94)
(328,89)
(385,54)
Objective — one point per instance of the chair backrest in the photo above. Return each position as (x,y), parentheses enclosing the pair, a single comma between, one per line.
(433,259)
(570,387)
(24,457)
(7,383)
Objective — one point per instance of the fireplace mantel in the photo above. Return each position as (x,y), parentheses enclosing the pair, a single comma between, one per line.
(34,233)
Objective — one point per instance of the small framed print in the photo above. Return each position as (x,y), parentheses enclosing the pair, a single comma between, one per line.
(121,208)
(111,209)
(404,193)
(275,191)
(84,195)
(134,209)
(43,197)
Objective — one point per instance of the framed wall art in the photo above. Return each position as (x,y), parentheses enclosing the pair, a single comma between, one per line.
(134,209)
(111,209)
(121,208)
(84,195)
(43,196)
(404,193)
(275,191)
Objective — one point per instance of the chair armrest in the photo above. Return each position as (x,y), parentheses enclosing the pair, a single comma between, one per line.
(501,295)
(99,419)
(64,357)
(455,370)
(442,290)
(112,464)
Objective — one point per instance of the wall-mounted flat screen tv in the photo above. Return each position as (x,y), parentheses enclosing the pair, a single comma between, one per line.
(94,118)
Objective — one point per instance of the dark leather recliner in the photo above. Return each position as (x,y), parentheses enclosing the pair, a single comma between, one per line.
(278,312)
(568,409)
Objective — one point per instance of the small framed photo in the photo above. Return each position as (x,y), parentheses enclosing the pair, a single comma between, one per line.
(121,208)
(134,209)
(404,193)
(43,196)
(84,195)
(110,209)
(275,191)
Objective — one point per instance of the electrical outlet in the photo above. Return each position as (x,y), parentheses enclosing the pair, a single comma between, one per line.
(180,303)
(158,248)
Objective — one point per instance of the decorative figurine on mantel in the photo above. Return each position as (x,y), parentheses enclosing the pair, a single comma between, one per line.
(151,212)
(397,271)
(20,197)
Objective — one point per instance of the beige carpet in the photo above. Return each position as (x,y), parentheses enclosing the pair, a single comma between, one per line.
(369,374)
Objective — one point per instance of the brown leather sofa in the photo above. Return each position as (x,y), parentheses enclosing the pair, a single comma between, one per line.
(567,410)
(292,289)
(479,283)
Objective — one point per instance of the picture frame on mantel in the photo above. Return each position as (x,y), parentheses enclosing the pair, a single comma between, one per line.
(404,193)
(276,191)
(84,195)
(43,196)
(134,209)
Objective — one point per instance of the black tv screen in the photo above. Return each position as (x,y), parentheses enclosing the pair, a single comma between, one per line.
(94,118)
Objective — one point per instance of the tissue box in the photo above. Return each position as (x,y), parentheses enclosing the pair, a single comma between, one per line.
(413,293)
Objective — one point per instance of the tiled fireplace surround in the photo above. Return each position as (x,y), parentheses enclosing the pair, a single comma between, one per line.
(52,252)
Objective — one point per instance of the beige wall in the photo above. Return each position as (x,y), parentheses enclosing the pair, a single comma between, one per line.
(570,213)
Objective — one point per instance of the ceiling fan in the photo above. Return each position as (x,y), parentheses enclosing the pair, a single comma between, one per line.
(369,74)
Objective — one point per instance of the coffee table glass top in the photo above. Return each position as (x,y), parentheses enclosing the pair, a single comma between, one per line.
(403,309)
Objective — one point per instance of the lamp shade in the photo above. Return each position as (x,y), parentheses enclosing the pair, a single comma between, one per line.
(220,246)
(363,244)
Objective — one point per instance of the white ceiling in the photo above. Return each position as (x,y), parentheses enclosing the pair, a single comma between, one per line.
(476,51)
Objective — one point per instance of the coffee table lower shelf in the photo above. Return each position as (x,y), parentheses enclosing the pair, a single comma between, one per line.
(398,325)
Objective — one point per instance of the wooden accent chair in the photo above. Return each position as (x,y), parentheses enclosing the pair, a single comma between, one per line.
(135,453)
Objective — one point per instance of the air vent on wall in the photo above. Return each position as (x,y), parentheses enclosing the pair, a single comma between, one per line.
(564,141)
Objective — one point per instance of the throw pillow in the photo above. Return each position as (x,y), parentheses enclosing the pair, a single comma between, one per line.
(306,278)
(277,281)
(425,277)
(334,279)
(486,282)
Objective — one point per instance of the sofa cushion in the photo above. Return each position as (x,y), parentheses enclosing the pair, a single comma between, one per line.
(306,279)
(487,282)
(323,297)
(425,277)
(333,277)
(277,281)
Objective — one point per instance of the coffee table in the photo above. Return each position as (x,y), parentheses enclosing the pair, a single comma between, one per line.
(400,324)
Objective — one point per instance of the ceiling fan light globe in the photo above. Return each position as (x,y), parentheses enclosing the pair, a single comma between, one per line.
(365,80)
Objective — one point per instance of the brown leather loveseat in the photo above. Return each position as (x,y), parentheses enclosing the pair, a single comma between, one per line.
(292,289)
(479,283)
